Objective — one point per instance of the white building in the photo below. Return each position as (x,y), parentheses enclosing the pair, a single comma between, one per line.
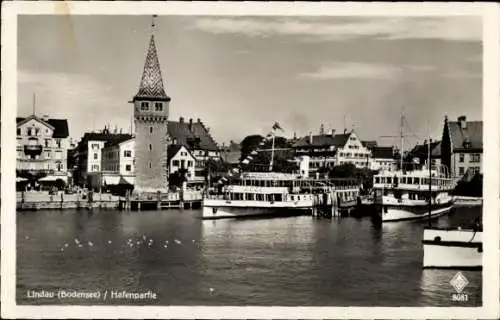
(329,150)
(42,147)
(179,157)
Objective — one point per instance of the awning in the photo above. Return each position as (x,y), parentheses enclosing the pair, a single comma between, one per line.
(20,179)
(127,180)
(110,180)
(54,178)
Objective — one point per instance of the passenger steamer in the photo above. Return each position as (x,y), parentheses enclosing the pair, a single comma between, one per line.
(280,194)
(405,195)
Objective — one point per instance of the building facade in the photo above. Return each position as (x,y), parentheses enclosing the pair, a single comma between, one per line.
(151,108)
(195,136)
(119,157)
(383,159)
(462,147)
(180,158)
(42,147)
(88,156)
(329,150)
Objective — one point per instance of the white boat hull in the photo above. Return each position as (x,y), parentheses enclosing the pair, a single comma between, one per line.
(393,214)
(452,249)
(220,209)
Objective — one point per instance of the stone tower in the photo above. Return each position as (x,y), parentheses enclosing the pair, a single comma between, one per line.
(151,107)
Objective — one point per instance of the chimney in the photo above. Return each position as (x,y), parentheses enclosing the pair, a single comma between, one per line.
(116,130)
(45,117)
(463,122)
(198,120)
(121,130)
(191,124)
(310,137)
(333,132)
(181,119)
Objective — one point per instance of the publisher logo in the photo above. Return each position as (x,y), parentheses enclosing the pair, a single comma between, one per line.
(459,282)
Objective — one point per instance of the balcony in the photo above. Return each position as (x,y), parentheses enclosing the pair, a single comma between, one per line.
(33,149)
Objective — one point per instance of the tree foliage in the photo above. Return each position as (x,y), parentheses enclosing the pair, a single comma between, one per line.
(350,171)
(472,188)
(176,179)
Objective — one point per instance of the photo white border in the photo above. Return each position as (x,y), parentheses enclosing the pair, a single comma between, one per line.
(491,142)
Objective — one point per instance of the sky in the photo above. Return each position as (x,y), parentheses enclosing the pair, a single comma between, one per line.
(240,74)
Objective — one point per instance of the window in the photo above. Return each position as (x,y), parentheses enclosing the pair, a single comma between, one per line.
(377,179)
(149,164)
(47,142)
(37,130)
(461,157)
(144,106)
(95,146)
(127,153)
(59,166)
(461,170)
(18,131)
(410,180)
(150,130)
(475,157)
(183,163)
(29,132)
(190,163)
(158,106)
(128,167)
(96,156)
(95,167)
(47,154)
(150,147)
(175,163)
(58,142)
(416,180)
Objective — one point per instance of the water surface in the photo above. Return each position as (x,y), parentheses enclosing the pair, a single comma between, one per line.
(296,261)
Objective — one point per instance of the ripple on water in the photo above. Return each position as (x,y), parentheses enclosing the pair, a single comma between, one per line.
(289,261)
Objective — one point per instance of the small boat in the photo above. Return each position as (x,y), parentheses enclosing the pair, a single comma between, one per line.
(453,248)
(468,201)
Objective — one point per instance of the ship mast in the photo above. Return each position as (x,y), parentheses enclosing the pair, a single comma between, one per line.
(401,153)
(430,178)
(272,155)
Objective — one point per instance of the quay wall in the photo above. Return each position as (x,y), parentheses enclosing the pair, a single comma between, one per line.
(55,205)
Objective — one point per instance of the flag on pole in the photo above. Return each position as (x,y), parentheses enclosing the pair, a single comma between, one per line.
(277,126)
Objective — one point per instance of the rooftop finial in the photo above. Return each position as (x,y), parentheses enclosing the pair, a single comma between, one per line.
(34,103)
(153,23)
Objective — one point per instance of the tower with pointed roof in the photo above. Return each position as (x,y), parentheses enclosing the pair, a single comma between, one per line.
(151,108)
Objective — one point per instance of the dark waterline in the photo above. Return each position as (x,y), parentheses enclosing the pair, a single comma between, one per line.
(289,261)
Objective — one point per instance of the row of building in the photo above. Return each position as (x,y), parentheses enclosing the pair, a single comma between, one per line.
(108,157)
(160,147)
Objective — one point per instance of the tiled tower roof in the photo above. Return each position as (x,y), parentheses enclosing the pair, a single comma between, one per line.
(151,87)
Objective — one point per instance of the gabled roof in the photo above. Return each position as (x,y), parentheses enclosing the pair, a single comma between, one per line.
(472,134)
(322,140)
(117,139)
(173,149)
(195,137)
(383,152)
(110,139)
(421,150)
(60,126)
(151,87)
(370,144)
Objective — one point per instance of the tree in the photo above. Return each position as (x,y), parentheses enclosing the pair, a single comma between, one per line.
(176,179)
(249,144)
